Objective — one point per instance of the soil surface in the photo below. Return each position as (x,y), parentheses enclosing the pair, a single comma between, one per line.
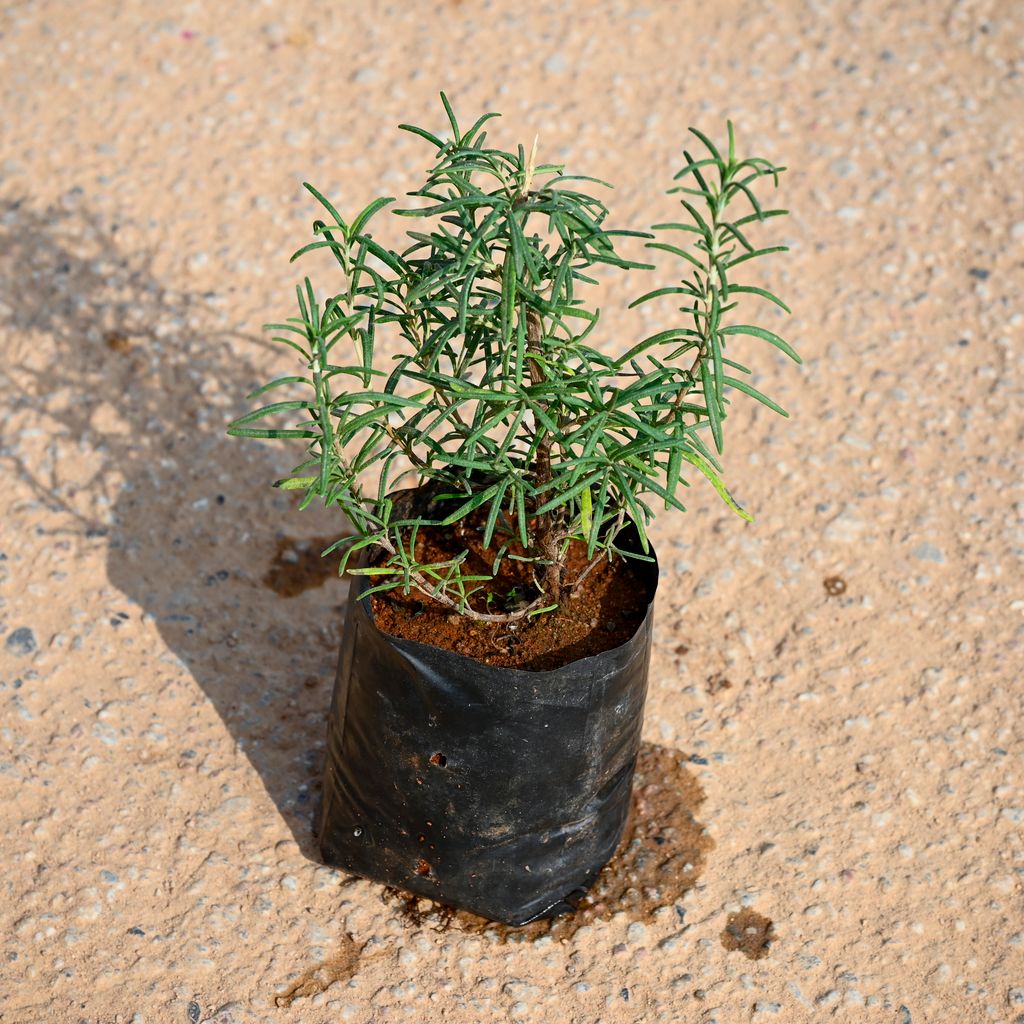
(602,612)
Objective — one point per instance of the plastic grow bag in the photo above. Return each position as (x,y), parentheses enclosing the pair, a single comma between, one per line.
(499,791)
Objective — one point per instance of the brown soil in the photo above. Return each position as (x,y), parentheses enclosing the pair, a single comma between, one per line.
(659,858)
(749,932)
(601,613)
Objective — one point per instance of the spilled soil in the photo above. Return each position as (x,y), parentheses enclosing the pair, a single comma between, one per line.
(749,932)
(600,613)
(659,858)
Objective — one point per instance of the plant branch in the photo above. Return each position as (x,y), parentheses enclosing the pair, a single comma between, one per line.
(424,586)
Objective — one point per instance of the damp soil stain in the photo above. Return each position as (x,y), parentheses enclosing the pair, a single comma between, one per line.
(660,857)
(749,932)
(341,966)
(298,566)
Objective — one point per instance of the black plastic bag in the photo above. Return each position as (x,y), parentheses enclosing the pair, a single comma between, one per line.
(499,791)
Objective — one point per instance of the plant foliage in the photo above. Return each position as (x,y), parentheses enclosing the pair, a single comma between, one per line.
(497,400)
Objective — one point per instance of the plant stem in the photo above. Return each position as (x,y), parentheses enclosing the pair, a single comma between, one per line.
(425,587)
(546,528)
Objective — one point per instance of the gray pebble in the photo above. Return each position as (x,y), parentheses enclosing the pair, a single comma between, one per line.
(929,553)
(556,63)
(21,642)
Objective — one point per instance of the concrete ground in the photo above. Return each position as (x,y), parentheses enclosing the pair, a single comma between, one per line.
(859,745)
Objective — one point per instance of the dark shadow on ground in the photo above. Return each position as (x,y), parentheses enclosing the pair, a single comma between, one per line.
(137,388)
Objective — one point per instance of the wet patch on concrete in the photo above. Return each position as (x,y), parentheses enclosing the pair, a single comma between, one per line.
(660,857)
(341,966)
(298,566)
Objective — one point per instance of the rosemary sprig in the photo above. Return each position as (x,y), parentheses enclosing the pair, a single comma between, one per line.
(498,402)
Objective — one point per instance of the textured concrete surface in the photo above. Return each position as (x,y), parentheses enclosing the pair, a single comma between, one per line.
(162,709)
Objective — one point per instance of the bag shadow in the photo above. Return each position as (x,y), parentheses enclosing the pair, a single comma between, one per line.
(134,384)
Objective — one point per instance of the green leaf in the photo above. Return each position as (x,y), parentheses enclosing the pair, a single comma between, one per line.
(769,336)
(508,299)
(748,289)
(716,482)
(364,215)
(753,255)
(636,515)
(659,292)
(541,611)
(326,204)
(711,402)
(422,133)
(586,510)
(566,495)
(276,383)
(295,483)
(747,389)
(676,251)
(451,119)
(710,145)
(269,410)
(269,433)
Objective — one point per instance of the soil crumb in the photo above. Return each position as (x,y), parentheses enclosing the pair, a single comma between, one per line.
(602,612)
(339,967)
(660,857)
(116,341)
(298,566)
(749,932)
(835,586)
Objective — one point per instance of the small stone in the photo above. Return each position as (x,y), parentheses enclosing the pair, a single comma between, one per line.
(979,273)
(556,64)
(21,642)
(636,933)
(929,553)
(844,528)
(829,998)
(1015,997)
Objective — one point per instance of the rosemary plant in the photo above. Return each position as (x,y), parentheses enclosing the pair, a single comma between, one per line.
(497,405)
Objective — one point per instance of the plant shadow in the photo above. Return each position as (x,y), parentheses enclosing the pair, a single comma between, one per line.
(134,384)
